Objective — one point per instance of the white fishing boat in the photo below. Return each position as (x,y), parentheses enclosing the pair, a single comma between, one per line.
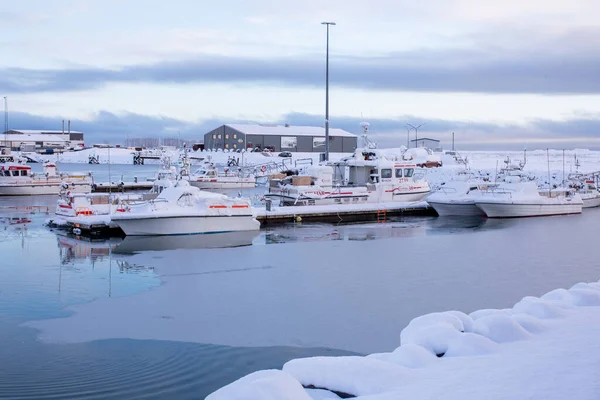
(18,180)
(586,187)
(209,177)
(457,198)
(183,209)
(523,199)
(365,177)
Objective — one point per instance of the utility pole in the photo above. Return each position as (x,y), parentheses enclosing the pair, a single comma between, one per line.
(452,141)
(327,91)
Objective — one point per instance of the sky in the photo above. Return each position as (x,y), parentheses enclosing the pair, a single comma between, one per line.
(500,75)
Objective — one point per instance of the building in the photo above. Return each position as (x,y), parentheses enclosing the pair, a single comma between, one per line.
(278,138)
(426,142)
(40,140)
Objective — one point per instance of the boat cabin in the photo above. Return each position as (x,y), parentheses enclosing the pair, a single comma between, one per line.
(14,170)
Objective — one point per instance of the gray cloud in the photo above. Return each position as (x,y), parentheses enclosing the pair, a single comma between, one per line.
(115,128)
(540,70)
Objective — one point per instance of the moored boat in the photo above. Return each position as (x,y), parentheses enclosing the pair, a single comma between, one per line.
(183,209)
(523,199)
(365,177)
(209,177)
(18,180)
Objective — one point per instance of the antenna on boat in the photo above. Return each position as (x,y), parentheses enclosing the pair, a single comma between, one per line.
(549,183)
(109,180)
(563,178)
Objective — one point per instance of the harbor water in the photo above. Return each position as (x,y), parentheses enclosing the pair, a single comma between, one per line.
(113,319)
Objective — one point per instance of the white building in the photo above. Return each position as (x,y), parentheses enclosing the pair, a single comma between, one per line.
(41,140)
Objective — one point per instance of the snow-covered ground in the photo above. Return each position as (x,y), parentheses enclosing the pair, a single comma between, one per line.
(542,348)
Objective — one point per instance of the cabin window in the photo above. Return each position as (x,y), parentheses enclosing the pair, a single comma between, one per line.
(15,173)
(408,172)
(6,173)
(398,172)
(23,172)
(386,173)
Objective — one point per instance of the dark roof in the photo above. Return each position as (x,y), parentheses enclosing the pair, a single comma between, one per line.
(424,138)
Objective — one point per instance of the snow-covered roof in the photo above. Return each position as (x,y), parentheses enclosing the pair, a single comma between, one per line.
(40,132)
(424,138)
(288,130)
(34,138)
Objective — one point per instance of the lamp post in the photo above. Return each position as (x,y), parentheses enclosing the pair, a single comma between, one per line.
(5,120)
(408,128)
(327,92)
(416,128)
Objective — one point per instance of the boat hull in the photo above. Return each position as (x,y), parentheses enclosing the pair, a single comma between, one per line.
(35,189)
(591,202)
(185,225)
(509,210)
(456,209)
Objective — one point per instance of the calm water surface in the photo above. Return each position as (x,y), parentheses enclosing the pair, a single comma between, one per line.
(344,289)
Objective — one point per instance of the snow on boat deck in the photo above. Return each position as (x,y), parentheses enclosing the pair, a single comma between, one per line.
(339,212)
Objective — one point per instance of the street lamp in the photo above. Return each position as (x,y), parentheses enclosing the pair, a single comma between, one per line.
(416,128)
(327,92)
(5,120)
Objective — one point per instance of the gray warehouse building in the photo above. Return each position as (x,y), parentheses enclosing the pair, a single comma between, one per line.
(278,138)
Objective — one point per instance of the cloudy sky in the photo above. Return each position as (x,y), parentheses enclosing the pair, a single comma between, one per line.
(501,75)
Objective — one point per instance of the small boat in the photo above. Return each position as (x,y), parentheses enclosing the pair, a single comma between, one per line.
(365,177)
(456,198)
(523,199)
(587,188)
(184,210)
(209,177)
(18,180)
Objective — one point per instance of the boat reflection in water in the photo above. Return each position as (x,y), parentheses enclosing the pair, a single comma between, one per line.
(135,244)
(80,249)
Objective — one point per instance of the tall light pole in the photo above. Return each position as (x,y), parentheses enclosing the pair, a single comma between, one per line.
(416,128)
(408,128)
(327,92)
(5,119)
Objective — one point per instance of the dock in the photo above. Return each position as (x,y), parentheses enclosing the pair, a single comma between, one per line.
(105,187)
(99,226)
(346,213)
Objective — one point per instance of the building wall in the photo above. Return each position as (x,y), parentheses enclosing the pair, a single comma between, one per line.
(349,144)
(305,144)
(225,137)
(274,141)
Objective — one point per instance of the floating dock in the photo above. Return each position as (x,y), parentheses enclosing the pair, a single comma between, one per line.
(102,226)
(333,213)
(91,226)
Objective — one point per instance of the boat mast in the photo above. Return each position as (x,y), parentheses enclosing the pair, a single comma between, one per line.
(549,184)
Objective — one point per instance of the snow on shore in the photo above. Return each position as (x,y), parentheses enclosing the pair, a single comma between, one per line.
(543,348)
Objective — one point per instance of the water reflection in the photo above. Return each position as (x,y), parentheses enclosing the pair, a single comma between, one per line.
(80,249)
(134,244)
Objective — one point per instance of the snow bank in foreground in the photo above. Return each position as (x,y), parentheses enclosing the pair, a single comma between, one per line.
(542,348)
